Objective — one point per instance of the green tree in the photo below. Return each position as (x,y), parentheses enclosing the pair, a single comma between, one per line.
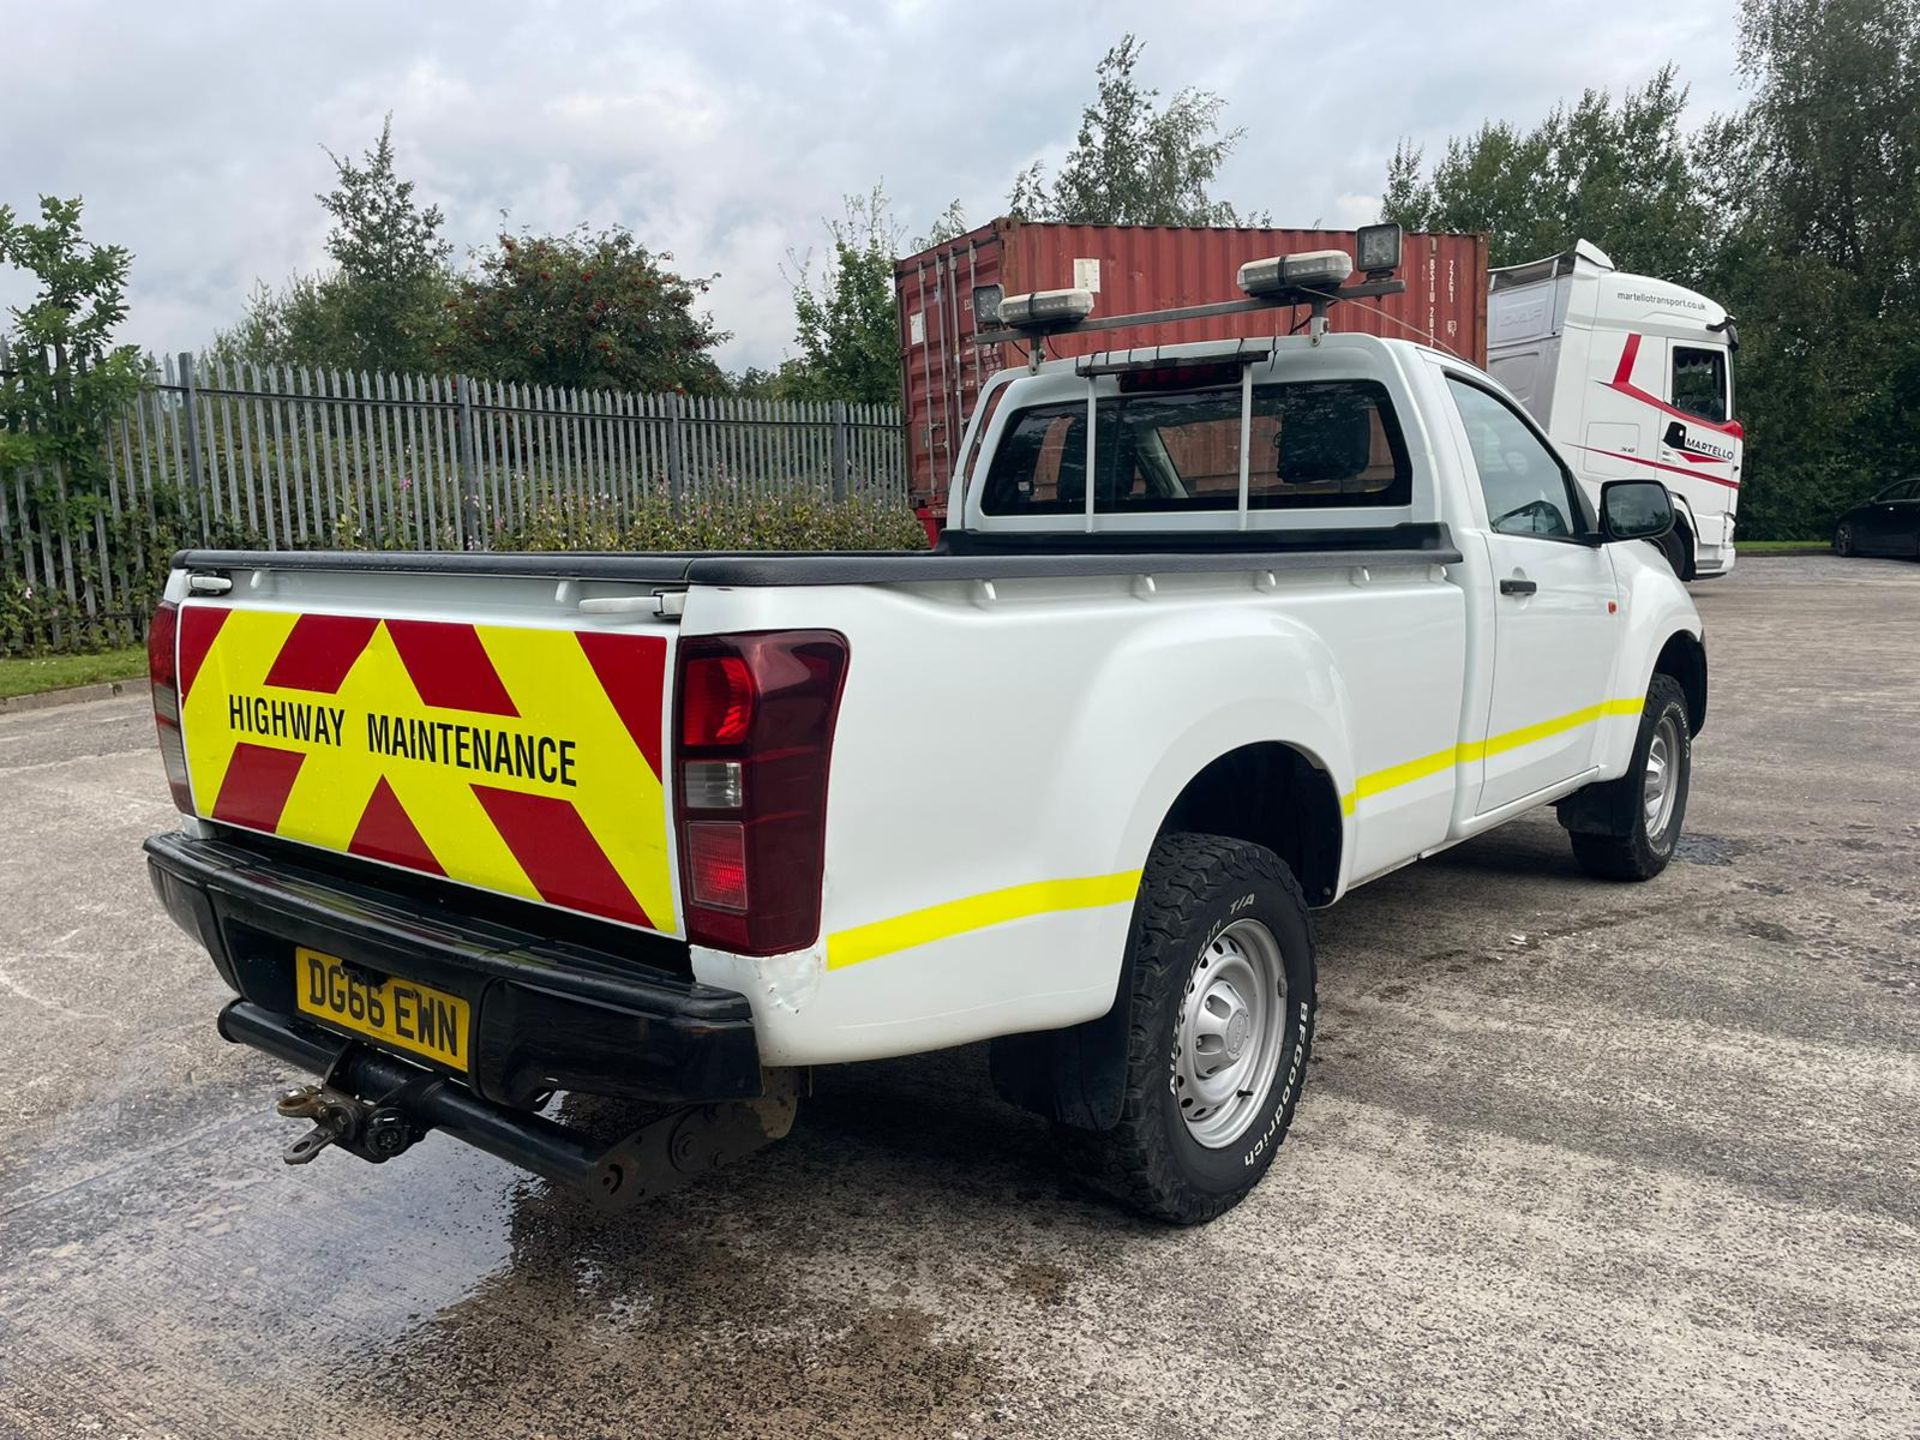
(584,309)
(1135,161)
(62,382)
(949,224)
(63,378)
(1618,174)
(848,324)
(383,304)
(1819,253)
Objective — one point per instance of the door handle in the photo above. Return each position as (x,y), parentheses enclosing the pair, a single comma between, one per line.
(1518,587)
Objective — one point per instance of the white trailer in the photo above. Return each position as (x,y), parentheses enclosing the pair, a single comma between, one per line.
(1633,378)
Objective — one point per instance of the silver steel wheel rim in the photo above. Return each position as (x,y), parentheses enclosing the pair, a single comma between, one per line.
(1662,786)
(1228,1038)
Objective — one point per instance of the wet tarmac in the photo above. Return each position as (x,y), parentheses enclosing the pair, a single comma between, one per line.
(1574,1159)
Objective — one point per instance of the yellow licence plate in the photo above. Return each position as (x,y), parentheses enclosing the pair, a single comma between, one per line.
(401,1013)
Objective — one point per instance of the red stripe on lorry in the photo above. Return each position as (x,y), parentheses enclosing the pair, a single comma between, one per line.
(1656,465)
(1623,382)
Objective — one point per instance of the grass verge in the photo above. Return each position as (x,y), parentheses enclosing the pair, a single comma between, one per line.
(34,674)
(1778,547)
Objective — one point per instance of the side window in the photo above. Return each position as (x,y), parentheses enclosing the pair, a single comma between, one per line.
(1040,467)
(1700,382)
(1312,444)
(1528,491)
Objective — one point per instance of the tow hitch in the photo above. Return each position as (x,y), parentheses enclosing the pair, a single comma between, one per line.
(376,1106)
(373,1132)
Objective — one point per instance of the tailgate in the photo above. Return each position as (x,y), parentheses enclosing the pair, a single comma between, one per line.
(522,757)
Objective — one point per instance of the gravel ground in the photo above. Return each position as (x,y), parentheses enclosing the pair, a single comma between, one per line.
(1574,1159)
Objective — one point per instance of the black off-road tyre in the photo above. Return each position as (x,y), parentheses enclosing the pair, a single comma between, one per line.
(1193,889)
(1638,854)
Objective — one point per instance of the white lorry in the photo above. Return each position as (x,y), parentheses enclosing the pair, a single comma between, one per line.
(1630,376)
(1226,631)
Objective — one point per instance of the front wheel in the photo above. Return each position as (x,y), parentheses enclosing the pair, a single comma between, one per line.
(1653,793)
(1843,539)
(1221,1002)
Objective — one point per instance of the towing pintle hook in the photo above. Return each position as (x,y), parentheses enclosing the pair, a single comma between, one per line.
(373,1132)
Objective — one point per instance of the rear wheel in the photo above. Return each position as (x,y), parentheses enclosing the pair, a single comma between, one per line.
(1652,795)
(1222,1004)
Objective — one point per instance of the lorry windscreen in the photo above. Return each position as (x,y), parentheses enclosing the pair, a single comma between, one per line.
(1310,444)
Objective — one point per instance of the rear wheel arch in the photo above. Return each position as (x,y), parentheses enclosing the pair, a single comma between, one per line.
(1272,794)
(1268,793)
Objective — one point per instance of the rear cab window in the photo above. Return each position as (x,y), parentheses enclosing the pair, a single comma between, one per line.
(1162,449)
(1040,467)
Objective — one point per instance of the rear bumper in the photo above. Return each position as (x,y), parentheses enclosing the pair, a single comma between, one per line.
(547,1014)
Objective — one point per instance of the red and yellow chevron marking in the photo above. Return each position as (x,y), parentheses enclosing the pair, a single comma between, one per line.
(518,760)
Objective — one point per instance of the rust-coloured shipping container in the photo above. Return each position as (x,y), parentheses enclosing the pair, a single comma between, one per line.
(1132,268)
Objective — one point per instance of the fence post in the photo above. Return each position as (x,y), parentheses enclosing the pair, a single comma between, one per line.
(469,467)
(839,450)
(190,388)
(676,450)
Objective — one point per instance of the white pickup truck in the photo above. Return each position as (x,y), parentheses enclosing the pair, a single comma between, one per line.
(1227,630)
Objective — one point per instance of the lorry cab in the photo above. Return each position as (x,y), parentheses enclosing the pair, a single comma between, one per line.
(1633,378)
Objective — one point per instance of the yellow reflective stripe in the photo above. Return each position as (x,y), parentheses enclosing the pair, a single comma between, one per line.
(996,907)
(1043,897)
(1395,776)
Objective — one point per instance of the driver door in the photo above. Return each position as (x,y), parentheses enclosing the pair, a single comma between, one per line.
(1554,634)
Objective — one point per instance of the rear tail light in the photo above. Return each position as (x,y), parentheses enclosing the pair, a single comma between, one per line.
(755,732)
(163,674)
(717,864)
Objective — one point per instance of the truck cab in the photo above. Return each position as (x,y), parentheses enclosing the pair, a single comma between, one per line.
(1632,377)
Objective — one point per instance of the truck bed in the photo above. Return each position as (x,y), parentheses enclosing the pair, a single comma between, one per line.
(961,557)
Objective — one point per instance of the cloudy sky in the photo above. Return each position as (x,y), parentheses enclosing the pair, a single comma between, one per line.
(722,132)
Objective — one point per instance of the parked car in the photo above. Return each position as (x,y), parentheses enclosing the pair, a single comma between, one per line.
(1222,631)
(1887,524)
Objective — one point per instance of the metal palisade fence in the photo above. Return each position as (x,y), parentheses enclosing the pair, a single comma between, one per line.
(229,454)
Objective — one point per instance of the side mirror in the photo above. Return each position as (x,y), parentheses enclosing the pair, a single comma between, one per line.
(1634,510)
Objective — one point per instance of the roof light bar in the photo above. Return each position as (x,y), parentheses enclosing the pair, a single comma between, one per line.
(1311,269)
(1046,309)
